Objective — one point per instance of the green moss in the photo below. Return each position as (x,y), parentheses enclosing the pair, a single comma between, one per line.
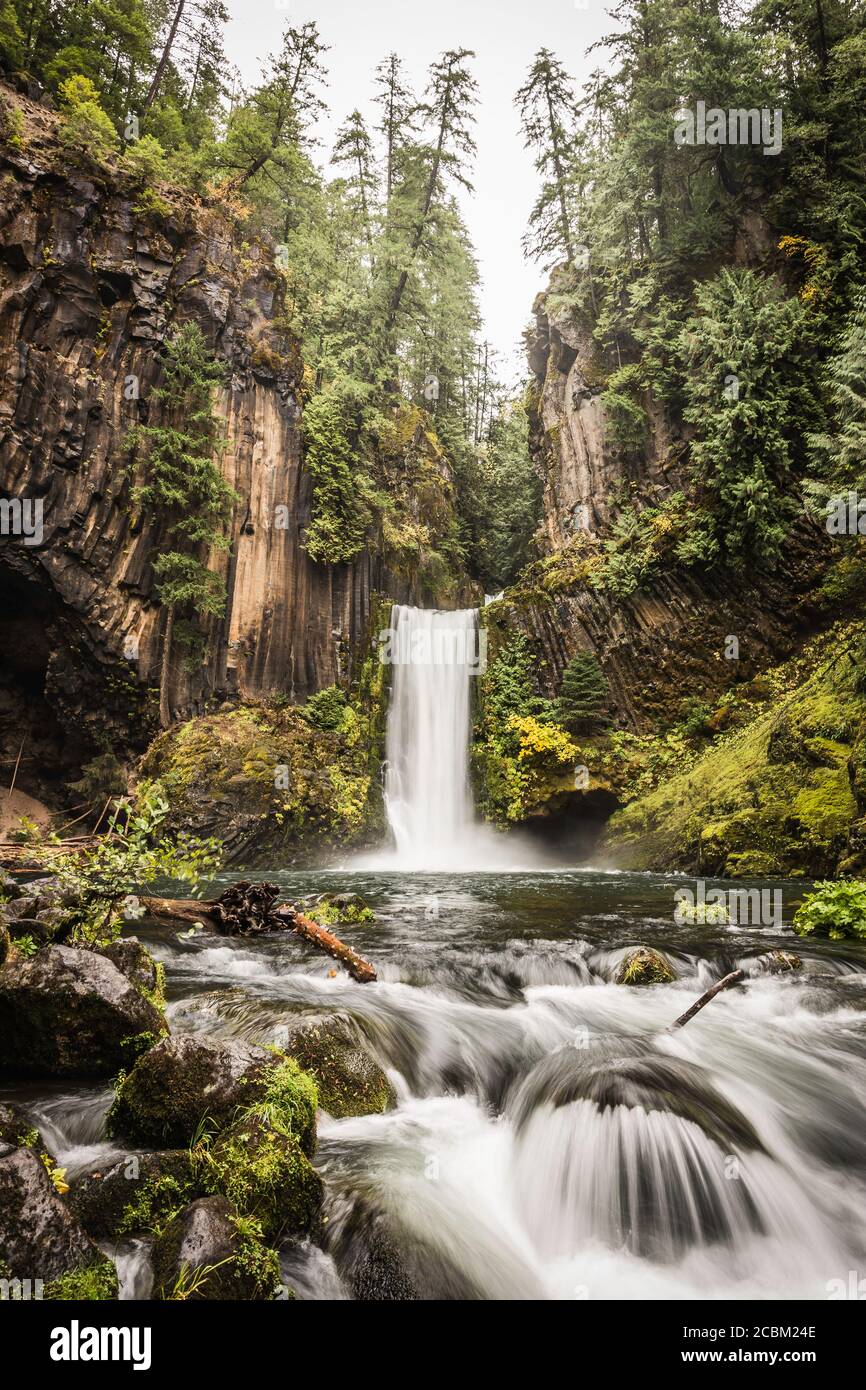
(137,1044)
(775,796)
(97,1283)
(264,1172)
(157,1202)
(257,1261)
(644,967)
(290,1102)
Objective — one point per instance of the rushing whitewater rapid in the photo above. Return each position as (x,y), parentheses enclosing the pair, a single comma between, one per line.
(551,1140)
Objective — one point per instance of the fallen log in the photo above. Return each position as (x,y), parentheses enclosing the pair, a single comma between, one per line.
(283,918)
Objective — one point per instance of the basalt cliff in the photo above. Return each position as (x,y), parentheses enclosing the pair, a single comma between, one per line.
(91,287)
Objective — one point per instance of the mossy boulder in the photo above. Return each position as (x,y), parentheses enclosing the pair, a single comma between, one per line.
(266,783)
(208,1252)
(260,1166)
(339,909)
(16,1129)
(348,1079)
(185,1087)
(183,1082)
(70,1012)
(39,1236)
(138,1195)
(644,966)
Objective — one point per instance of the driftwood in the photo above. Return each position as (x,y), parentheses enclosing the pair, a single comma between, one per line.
(735,978)
(26,858)
(774,963)
(251,910)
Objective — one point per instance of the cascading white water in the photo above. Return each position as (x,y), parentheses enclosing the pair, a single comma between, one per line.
(427,792)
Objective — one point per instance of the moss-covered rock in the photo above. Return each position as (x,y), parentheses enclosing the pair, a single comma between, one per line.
(777,797)
(348,1080)
(339,909)
(69,1012)
(210,1252)
(140,1194)
(266,782)
(184,1082)
(260,1166)
(644,966)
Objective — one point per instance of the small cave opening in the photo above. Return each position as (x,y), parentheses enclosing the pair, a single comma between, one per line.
(37,748)
(572,825)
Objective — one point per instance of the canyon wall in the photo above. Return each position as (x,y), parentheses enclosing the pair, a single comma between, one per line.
(90,289)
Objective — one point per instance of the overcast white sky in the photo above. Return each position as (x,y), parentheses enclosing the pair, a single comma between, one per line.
(504,35)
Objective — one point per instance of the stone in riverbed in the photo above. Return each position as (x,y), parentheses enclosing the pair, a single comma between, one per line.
(204,1255)
(140,1193)
(265,1173)
(70,1012)
(349,1081)
(184,1081)
(16,1129)
(39,1236)
(644,966)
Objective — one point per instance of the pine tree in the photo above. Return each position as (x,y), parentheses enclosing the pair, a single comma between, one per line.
(178,479)
(841,452)
(548,113)
(583,695)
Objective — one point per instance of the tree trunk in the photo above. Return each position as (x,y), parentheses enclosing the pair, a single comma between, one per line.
(161,66)
(165,672)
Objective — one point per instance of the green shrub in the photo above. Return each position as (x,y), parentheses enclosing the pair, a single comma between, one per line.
(836,909)
(84,126)
(327,708)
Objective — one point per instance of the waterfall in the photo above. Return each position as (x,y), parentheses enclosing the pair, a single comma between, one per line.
(427,793)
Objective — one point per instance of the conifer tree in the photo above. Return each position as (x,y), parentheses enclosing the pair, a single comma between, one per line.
(178,478)
(583,695)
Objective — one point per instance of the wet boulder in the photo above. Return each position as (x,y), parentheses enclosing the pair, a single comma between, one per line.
(636,1077)
(644,966)
(338,909)
(135,962)
(70,1012)
(208,1252)
(348,1079)
(261,1168)
(16,1129)
(39,1236)
(184,1083)
(139,1194)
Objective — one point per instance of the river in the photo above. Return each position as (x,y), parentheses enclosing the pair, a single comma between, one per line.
(726,1162)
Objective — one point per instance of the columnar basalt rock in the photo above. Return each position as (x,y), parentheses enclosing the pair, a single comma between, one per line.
(90,291)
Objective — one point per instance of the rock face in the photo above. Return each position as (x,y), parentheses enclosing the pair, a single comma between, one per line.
(39,1237)
(90,290)
(183,1081)
(69,1012)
